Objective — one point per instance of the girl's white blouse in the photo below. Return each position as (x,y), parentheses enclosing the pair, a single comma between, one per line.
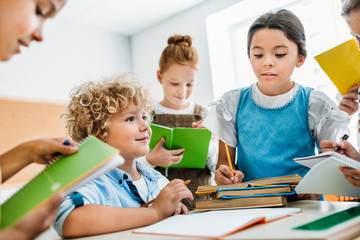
(326,121)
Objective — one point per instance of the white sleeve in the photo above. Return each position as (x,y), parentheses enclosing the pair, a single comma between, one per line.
(213,152)
(221,117)
(143,160)
(326,120)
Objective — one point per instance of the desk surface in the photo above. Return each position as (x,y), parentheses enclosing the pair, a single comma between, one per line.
(280,229)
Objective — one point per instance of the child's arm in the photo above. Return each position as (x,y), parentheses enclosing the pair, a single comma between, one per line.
(223,174)
(160,156)
(35,151)
(35,222)
(326,121)
(98,219)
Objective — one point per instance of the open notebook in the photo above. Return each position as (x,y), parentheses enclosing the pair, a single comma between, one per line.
(324,177)
(68,173)
(215,224)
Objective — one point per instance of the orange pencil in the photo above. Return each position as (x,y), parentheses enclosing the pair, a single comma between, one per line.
(151,201)
(229,159)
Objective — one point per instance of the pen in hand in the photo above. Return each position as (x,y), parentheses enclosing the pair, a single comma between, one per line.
(229,161)
(345,137)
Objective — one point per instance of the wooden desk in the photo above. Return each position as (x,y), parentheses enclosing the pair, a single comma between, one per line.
(281,229)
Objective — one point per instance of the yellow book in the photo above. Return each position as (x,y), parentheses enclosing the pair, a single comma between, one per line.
(341,64)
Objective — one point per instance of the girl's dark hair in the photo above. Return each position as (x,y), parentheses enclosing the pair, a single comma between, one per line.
(348,6)
(285,21)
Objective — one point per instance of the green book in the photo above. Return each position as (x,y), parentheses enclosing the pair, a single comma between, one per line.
(67,173)
(195,141)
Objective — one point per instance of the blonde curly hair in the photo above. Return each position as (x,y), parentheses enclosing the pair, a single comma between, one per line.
(93,104)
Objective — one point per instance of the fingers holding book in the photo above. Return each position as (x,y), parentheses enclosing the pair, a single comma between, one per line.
(352,175)
(43,150)
(160,156)
(349,102)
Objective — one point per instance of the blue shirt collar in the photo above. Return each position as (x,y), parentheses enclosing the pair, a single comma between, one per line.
(119,175)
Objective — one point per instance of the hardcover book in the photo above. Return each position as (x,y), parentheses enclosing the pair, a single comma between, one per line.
(195,141)
(281,180)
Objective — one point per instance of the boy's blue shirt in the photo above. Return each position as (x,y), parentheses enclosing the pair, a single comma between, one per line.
(112,189)
(270,138)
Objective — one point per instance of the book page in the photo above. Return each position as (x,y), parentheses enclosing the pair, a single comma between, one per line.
(312,160)
(326,178)
(212,224)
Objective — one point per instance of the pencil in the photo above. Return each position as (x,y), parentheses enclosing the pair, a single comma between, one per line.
(229,159)
(151,201)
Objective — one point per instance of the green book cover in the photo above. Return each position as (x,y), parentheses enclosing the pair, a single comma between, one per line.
(195,141)
(68,173)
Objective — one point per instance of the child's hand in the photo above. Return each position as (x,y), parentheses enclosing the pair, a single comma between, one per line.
(348,102)
(198,124)
(223,176)
(35,222)
(352,175)
(160,156)
(168,200)
(42,150)
(181,209)
(345,148)
(308,196)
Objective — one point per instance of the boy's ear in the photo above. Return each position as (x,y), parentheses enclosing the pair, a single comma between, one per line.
(158,73)
(300,61)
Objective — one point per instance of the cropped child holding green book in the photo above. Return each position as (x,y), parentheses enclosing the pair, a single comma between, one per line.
(177,74)
(116,111)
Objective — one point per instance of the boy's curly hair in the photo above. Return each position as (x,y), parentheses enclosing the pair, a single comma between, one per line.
(93,104)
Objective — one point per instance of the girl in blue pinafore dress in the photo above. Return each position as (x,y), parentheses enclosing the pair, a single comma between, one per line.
(274,120)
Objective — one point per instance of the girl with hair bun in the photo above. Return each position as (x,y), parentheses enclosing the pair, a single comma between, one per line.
(177,74)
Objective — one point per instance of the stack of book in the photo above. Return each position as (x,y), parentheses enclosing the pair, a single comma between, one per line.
(267,192)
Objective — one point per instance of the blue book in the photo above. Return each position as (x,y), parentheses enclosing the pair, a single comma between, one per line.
(263,191)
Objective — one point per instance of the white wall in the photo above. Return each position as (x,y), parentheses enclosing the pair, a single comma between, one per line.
(71,53)
(148,45)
